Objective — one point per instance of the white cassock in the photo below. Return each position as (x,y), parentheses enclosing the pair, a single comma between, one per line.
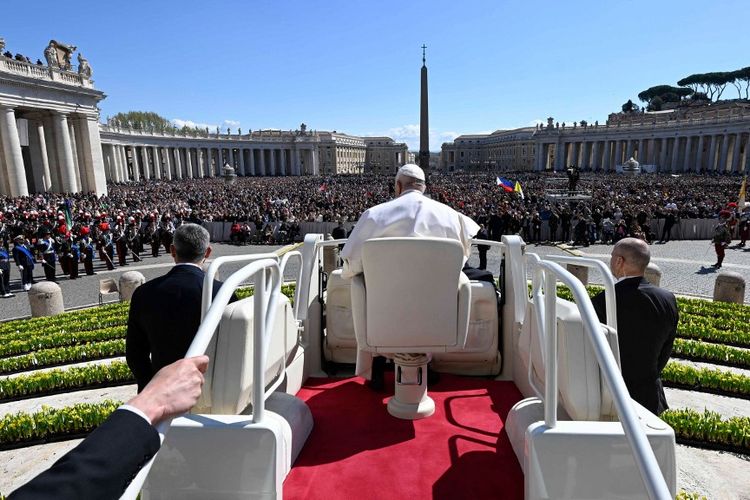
(411,214)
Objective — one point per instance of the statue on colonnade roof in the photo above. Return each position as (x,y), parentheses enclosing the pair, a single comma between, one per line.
(84,68)
(58,54)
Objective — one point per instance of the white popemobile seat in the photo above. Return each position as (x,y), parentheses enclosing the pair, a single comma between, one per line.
(411,301)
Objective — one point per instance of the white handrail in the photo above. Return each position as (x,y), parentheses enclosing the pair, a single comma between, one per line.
(282,266)
(644,456)
(264,304)
(609,281)
(213,269)
(538,298)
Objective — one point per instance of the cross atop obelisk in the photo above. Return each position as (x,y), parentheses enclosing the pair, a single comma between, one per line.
(424,127)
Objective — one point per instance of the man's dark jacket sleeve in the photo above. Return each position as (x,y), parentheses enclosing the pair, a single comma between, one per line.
(101,466)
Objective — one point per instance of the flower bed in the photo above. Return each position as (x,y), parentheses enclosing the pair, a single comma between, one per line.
(55,381)
(50,424)
(719,382)
(47,358)
(714,353)
(74,320)
(33,343)
(708,430)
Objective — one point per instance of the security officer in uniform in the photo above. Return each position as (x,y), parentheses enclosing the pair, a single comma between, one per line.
(49,255)
(4,273)
(86,249)
(74,257)
(24,260)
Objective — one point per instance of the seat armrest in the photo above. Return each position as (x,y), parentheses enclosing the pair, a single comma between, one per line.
(464,310)
(359,310)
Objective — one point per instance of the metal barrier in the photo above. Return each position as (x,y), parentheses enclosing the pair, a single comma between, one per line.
(264,303)
(644,457)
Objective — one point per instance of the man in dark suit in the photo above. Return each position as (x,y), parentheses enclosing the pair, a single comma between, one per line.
(646,323)
(103,464)
(165,313)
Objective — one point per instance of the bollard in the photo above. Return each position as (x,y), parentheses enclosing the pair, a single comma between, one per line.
(580,272)
(330,257)
(729,287)
(129,281)
(45,299)
(653,274)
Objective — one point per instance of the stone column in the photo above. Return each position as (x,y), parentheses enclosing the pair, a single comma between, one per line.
(618,154)
(121,177)
(262,158)
(559,153)
(92,162)
(711,155)
(39,160)
(77,158)
(575,146)
(14,180)
(251,158)
(241,152)
(596,162)
(686,162)
(157,162)
(54,162)
(271,169)
(699,155)
(641,151)
(284,169)
(746,170)
(178,163)
(722,166)
(629,150)
(124,163)
(663,155)
(651,152)
(168,160)
(606,155)
(736,153)
(538,153)
(314,154)
(65,154)
(136,167)
(144,160)
(297,162)
(675,154)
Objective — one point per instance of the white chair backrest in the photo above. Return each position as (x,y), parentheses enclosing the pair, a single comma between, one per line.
(108,285)
(582,391)
(229,381)
(424,312)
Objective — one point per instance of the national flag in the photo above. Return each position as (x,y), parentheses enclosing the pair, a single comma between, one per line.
(323,187)
(65,207)
(505,184)
(741,197)
(518,189)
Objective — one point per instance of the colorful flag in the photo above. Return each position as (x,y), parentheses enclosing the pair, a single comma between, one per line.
(505,184)
(323,187)
(741,197)
(518,189)
(66,209)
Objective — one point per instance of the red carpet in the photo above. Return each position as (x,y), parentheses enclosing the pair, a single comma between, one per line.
(357,450)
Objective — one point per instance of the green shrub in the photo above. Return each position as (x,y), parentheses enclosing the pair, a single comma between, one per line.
(716,353)
(78,377)
(709,427)
(706,379)
(63,355)
(34,343)
(52,423)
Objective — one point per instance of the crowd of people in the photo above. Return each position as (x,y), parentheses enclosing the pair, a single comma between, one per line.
(67,229)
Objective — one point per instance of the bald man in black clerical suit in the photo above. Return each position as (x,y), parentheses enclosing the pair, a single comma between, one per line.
(165,313)
(646,323)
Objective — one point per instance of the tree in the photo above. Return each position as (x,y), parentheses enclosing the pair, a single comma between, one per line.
(667,93)
(741,78)
(655,104)
(630,107)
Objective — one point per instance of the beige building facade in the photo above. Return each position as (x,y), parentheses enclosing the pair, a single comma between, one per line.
(711,138)
(384,155)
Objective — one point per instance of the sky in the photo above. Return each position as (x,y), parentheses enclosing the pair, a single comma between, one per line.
(354,66)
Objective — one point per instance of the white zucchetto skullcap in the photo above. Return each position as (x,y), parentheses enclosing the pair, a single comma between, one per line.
(411,170)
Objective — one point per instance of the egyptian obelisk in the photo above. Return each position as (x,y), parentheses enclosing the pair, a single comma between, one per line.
(424,126)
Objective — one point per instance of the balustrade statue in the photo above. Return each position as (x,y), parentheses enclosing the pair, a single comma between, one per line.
(84,68)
